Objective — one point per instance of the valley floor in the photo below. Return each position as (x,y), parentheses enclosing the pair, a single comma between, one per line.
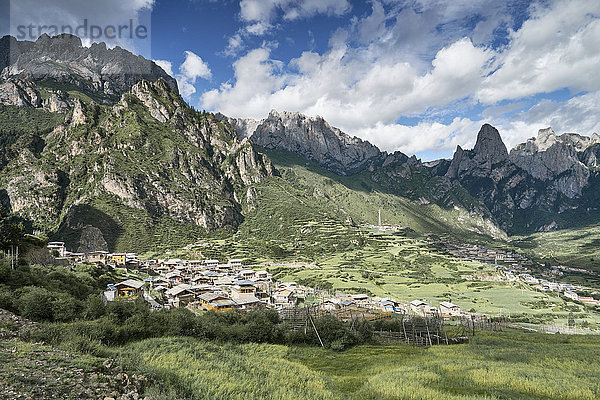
(507,365)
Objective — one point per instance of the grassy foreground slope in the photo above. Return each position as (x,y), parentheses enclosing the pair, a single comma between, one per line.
(505,365)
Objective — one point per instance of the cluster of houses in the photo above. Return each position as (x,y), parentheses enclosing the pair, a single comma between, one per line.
(95,257)
(584,299)
(514,269)
(482,254)
(210,285)
(203,284)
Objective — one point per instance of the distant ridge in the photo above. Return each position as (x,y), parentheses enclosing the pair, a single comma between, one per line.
(64,60)
(315,139)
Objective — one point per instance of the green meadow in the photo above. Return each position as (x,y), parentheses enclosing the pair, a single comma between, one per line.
(408,268)
(576,247)
(311,216)
(500,365)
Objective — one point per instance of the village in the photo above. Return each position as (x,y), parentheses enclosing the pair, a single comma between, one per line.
(514,267)
(212,285)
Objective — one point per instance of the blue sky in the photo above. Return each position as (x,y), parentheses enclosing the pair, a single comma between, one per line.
(419,76)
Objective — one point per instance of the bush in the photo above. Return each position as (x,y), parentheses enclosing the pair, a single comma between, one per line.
(65,308)
(6,298)
(35,303)
(93,308)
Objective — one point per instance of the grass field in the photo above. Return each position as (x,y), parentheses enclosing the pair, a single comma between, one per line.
(407,268)
(507,365)
(577,247)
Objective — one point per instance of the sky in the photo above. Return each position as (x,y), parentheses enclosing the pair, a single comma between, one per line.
(419,76)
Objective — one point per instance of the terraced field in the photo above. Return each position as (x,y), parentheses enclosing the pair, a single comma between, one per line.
(577,247)
(408,268)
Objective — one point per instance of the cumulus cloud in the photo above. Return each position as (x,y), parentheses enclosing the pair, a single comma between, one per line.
(267,11)
(235,44)
(578,114)
(350,90)
(192,68)
(557,48)
(423,137)
(260,17)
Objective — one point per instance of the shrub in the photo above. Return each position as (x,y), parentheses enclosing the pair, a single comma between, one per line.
(65,308)
(35,303)
(6,298)
(93,307)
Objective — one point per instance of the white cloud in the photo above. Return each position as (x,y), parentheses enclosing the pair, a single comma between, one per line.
(192,68)
(235,45)
(309,8)
(558,48)
(261,16)
(425,136)
(266,11)
(255,76)
(373,26)
(578,114)
(349,89)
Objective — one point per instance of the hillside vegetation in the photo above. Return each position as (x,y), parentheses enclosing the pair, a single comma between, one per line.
(493,366)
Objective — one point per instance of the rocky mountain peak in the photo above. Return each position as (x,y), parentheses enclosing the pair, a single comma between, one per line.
(313,138)
(63,59)
(61,43)
(489,145)
(545,139)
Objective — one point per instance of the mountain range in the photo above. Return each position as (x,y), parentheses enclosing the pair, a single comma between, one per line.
(98,148)
(539,186)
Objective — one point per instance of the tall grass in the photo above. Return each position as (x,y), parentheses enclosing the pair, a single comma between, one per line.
(507,365)
(204,370)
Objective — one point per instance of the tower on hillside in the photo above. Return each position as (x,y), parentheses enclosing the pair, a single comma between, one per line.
(379,218)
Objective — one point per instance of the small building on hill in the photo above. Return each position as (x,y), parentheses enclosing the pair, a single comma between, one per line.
(180,295)
(418,306)
(117,258)
(216,302)
(243,288)
(97,257)
(129,288)
(247,303)
(448,309)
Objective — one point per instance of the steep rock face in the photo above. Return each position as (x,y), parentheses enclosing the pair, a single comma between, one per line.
(149,153)
(62,59)
(489,151)
(91,239)
(19,93)
(554,158)
(527,189)
(489,146)
(313,138)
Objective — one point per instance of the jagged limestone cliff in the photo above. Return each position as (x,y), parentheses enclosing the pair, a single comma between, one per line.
(315,139)
(539,186)
(148,164)
(30,72)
